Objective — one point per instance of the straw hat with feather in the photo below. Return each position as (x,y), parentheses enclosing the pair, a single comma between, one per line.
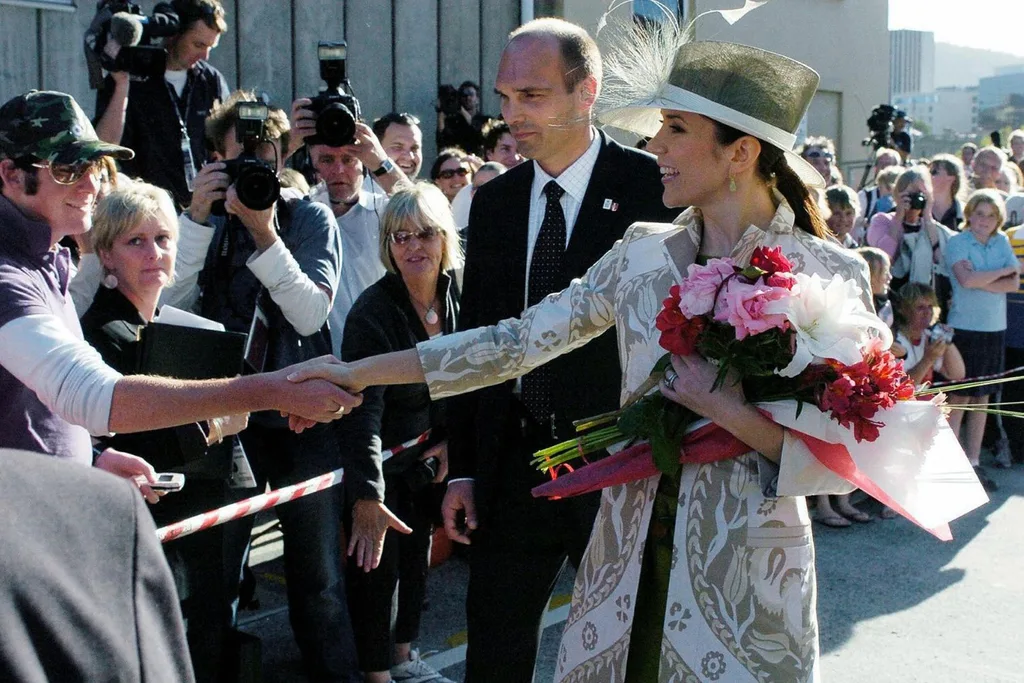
(755,91)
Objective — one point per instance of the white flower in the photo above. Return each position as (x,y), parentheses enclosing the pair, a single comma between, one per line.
(830,321)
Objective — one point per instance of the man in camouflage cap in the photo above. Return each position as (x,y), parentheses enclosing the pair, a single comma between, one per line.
(55,388)
(48,131)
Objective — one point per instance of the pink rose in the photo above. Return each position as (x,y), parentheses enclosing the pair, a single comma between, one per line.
(741,305)
(697,291)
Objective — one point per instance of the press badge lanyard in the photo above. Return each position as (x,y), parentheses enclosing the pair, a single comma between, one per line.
(188,161)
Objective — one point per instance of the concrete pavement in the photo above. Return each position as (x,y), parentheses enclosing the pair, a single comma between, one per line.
(894,603)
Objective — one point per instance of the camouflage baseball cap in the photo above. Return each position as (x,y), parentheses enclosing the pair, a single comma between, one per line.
(52,127)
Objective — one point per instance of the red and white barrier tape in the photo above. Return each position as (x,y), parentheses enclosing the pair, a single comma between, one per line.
(251,506)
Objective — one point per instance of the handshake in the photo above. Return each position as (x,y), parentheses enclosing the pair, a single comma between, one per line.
(321,390)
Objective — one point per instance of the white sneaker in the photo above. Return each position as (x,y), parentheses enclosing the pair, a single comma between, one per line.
(416,671)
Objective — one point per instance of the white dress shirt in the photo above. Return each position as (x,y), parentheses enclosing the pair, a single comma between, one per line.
(574,180)
(360,255)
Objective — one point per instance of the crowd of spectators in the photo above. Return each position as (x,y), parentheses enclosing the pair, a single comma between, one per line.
(940,236)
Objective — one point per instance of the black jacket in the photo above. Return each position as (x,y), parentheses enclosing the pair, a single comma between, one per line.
(152,126)
(383,320)
(625,187)
(112,325)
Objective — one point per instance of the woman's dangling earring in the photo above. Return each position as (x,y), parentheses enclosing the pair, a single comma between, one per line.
(732,184)
(110,280)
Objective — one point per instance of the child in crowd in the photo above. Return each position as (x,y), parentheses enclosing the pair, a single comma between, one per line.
(984,270)
(878,265)
(843,208)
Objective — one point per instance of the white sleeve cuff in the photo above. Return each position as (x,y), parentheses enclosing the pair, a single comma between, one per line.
(69,376)
(801,474)
(193,245)
(304,304)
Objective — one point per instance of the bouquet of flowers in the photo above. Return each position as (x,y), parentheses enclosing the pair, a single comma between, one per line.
(795,341)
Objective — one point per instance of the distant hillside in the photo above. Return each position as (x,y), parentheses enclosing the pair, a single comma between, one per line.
(964,66)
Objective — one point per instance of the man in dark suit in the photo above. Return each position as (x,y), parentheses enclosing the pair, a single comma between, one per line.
(86,593)
(531,231)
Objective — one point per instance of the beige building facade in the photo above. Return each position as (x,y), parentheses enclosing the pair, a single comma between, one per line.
(845,41)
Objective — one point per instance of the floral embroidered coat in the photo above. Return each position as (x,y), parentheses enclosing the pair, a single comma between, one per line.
(741,601)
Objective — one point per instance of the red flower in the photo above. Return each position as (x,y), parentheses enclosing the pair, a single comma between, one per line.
(855,393)
(679,334)
(771,260)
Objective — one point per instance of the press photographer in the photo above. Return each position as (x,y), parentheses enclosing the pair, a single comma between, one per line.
(272,272)
(459,120)
(162,117)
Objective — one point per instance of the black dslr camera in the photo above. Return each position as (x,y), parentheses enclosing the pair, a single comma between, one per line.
(255,180)
(336,109)
(880,125)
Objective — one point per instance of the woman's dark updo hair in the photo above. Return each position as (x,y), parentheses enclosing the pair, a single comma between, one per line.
(773,169)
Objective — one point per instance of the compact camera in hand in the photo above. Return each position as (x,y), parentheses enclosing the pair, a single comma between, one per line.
(940,333)
(918,200)
(336,109)
(254,179)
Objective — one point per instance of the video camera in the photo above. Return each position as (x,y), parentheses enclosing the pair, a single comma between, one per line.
(254,179)
(336,109)
(119,39)
(880,125)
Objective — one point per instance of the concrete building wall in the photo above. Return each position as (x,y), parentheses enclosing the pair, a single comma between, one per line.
(912,58)
(853,79)
(399,50)
(944,110)
(995,91)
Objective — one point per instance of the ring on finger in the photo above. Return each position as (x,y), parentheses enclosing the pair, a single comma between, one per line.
(339,412)
(671,376)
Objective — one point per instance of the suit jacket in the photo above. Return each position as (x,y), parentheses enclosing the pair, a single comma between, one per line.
(86,593)
(494,288)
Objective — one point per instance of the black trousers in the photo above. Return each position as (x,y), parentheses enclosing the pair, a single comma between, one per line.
(311,526)
(386,603)
(206,568)
(514,560)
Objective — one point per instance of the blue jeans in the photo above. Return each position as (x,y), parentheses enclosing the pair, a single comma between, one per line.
(311,526)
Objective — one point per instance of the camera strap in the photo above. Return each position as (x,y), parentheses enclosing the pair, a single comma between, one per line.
(188,161)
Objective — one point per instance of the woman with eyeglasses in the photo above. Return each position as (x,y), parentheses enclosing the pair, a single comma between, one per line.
(392,504)
(820,152)
(949,190)
(451,172)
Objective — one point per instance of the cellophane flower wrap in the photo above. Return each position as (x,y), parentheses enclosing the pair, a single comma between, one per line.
(797,343)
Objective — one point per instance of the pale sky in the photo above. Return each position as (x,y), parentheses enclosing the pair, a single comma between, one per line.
(986,24)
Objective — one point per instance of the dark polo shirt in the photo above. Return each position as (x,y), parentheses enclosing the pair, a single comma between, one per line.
(34,281)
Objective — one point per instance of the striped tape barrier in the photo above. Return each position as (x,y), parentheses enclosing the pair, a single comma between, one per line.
(250,506)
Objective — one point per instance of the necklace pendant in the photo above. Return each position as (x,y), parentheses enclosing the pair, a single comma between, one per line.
(431,316)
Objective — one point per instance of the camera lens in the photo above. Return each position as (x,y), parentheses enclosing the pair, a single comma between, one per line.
(257,186)
(918,201)
(335,125)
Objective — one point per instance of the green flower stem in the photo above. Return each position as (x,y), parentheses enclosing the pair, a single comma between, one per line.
(966,385)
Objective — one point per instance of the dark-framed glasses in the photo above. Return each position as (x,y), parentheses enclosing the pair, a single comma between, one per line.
(69,174)
(403,237)
(450,173)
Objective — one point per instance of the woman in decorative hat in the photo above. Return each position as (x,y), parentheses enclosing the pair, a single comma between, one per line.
(708,575)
